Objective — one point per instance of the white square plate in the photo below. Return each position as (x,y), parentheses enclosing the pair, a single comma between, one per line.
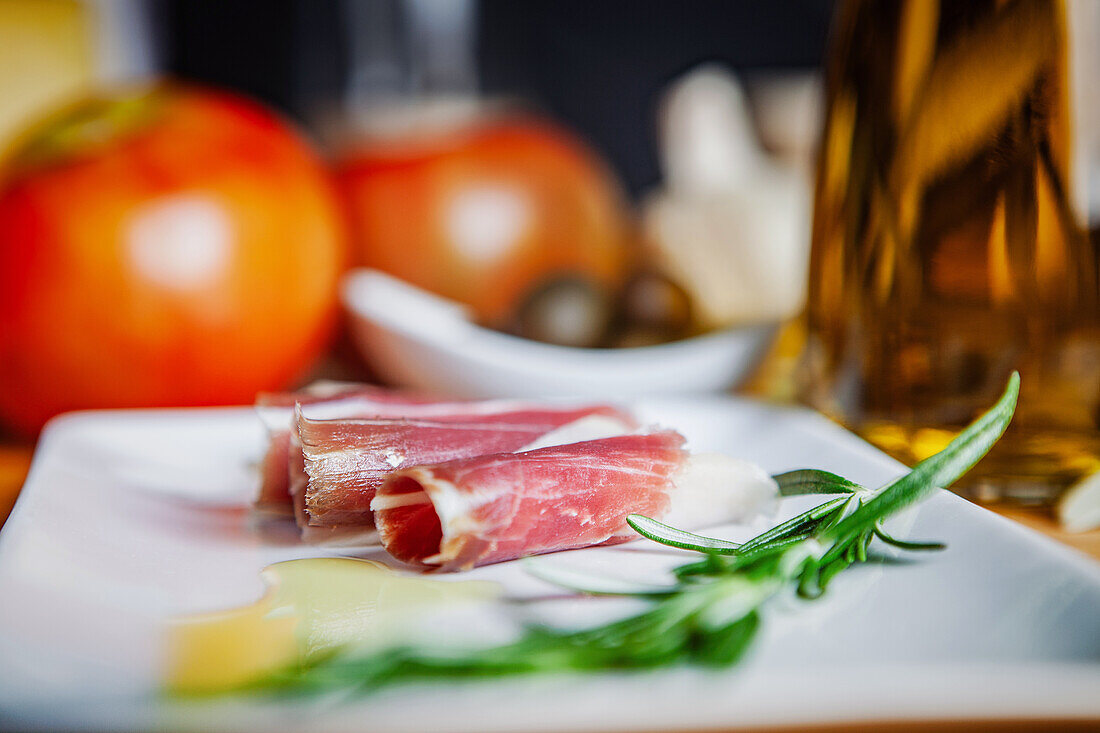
(131,518)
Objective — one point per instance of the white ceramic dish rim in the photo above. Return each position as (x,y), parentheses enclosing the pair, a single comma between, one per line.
(454,326)
(430,325)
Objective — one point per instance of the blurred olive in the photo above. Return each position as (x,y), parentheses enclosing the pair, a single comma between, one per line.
(568,311)
(652,303)
(635,337)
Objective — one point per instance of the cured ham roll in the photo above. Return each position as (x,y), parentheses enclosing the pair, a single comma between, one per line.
(281,467)
(490,508)
(345,461)
(328,399)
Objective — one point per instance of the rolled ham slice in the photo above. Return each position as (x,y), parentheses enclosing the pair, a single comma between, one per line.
(281,463)
(345,461)
(281,468)
(490,508)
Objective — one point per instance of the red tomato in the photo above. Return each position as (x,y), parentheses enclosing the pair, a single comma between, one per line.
(179,247)
(486,214)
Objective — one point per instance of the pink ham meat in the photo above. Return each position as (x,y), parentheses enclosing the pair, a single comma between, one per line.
(347,460)
(281,462)
(490,508)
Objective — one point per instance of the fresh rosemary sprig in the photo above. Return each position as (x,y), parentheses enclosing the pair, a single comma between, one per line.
(710,615)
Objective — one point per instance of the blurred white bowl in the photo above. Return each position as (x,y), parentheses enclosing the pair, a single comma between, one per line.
(415,339)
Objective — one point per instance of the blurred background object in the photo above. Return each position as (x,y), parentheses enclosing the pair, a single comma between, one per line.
(171,244)
(948,249)
(787,109)
(413,338)
(598,68)
(164,246)
(730,225)
(1083,35)
(483,200)
(45,54)
(15,463)
(1079,507)
(480,146)
(53,51)
(500,212)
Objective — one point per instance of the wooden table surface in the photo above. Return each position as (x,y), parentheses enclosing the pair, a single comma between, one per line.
(16,459)
(14,462)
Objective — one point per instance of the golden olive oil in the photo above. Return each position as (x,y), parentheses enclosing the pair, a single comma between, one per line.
(312,607)
(946,252)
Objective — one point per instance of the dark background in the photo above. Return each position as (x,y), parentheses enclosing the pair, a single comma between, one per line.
(596,65)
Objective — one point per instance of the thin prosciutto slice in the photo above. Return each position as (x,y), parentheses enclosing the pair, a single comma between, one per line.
(281,463)
(476,511)
(490,508)
(347,460)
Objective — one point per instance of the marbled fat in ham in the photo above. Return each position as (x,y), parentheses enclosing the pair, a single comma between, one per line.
(490,508)
(280,463)
(346,460)
(471,483)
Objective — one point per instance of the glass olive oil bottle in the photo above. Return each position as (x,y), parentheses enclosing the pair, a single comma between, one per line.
(946,252)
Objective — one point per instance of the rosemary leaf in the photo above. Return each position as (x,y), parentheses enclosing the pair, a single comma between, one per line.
(724,646)
(814,481)
(651,529)
(940,470)
(795,526)
(907,544)
(861,547)
(829,571)
(809,585)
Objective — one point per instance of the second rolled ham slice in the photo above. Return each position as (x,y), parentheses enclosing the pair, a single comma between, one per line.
(346,460)
(486,509)
(322,399)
